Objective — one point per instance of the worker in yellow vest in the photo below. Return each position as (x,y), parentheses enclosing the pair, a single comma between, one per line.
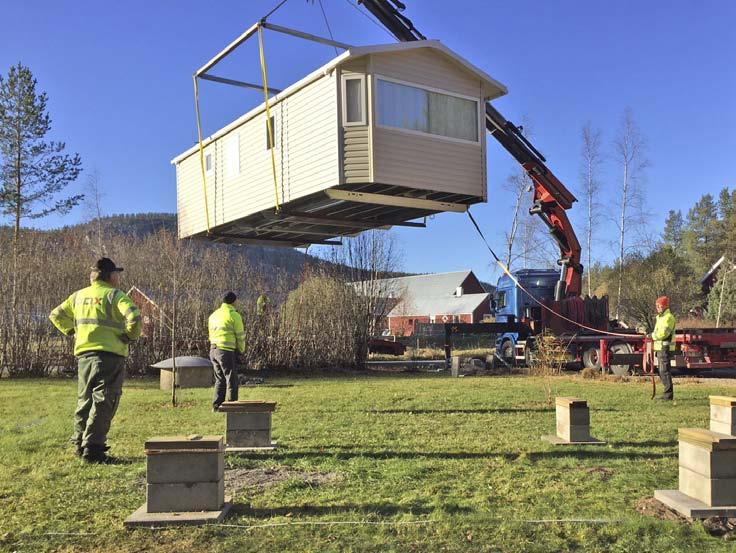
(103,321)
(227,342)
(664,345)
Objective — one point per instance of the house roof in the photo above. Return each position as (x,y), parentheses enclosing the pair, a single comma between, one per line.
(436,284)
(491,87)
(439,305)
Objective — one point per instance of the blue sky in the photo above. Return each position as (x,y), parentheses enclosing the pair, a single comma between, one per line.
(119,80)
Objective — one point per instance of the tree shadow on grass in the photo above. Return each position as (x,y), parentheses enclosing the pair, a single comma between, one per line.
(646,443)
(499,410)
(388,455)
(383,509)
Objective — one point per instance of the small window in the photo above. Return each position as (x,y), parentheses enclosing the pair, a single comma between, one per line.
(275,135)
(353,101)
(501,300)
(232,156)
(208,165)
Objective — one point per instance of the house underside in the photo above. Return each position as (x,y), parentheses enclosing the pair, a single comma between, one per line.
(345,210)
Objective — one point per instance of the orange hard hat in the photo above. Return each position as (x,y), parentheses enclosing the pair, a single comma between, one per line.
(663,302)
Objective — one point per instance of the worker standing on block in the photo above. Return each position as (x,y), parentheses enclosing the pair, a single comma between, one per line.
(664,344)
(104,321)
(227,339)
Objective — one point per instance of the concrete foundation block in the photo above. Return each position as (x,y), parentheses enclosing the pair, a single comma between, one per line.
(248,421)
(249,438)
(574,433)
(711,464)
(723,414)
(184,467)
(711,491)
(193,496)
(577,416)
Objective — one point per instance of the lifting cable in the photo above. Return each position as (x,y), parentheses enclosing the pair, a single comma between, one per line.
(268,116)
(201,153)
(541,304)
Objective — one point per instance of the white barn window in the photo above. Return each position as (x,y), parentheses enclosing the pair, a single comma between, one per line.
(232,156)
(353,93)
(417,109)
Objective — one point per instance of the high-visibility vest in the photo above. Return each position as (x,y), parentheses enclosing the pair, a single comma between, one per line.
(261,304)
(664,330)
(101,318)
(225,327)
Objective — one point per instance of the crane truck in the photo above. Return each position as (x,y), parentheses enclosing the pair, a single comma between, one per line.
(531,301)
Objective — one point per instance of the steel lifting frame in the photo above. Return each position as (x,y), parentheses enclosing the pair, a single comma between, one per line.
(202,72)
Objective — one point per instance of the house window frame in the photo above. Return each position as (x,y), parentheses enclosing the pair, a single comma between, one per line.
(363,101)
(231,141)
(480,128)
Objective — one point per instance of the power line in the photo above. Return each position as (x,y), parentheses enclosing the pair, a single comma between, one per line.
(321,7)
(369,18)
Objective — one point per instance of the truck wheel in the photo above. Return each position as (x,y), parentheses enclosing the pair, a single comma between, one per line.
(507,352)
(621,347)
(592,358)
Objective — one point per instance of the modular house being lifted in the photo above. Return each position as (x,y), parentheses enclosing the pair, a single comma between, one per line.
(379,136)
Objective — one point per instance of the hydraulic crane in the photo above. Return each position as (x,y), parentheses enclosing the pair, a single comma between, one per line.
(551,198)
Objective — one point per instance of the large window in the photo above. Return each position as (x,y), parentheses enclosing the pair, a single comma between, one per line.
(416,109)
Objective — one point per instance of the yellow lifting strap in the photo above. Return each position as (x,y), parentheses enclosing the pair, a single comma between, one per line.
(268,116)
(201,154)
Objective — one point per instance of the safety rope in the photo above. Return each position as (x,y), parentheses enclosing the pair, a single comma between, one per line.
(268,117)
(541,304)
(201,153)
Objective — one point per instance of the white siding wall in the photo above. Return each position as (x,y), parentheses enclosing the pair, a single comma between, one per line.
(306,161)
(426,161)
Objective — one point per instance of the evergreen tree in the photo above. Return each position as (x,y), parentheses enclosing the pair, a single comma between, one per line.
(700,239)
(33,171)
(673,229)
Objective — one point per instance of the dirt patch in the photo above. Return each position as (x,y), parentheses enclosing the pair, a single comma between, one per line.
(259,479)
(648,506)
(604,473)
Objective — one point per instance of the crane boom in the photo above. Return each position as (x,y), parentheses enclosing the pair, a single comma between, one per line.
(551,198)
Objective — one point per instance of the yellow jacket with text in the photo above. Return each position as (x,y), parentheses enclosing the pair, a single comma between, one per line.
(664,330)
(101,318)
(226,329)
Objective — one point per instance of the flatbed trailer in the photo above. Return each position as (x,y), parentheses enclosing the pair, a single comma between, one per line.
(697,349)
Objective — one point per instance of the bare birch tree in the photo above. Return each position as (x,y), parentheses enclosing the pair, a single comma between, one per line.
(93,207)
(629,150)
(591,162)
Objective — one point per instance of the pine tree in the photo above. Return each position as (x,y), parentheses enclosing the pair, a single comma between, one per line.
(700,239)
(33,171)
(673,229)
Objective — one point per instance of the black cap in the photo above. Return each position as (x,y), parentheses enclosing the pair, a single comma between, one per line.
(230,297)
(106,265)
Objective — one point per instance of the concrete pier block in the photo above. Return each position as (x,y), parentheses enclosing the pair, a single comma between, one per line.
(191,496)
(248,424)
(184,481)
(723,414)
(573,422)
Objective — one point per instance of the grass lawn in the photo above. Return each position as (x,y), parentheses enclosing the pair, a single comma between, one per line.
(432,463)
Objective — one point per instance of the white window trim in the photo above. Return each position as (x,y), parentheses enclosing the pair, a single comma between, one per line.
(481,127)
(363,108)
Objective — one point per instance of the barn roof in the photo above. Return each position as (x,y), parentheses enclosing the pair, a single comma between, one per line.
(491,87)
(439,305)
(435,284)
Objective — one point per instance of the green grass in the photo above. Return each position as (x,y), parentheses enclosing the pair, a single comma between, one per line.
(462,456)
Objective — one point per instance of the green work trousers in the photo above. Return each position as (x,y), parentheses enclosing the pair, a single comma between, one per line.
(100,385)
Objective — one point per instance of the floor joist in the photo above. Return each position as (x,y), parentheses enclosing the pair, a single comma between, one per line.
(314,218)
(398,201)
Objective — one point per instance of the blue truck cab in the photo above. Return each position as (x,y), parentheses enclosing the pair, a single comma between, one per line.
(513,305)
